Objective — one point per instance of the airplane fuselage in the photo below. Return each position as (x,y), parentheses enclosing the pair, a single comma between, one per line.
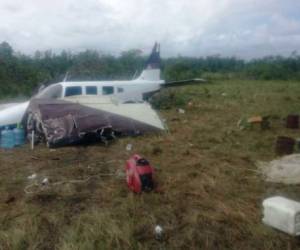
(124,91)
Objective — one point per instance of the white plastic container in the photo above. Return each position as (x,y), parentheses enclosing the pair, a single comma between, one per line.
(282,214)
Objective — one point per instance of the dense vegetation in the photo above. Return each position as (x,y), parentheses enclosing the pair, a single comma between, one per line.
(20,74)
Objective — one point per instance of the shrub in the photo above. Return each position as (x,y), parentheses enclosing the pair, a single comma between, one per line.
(167,99)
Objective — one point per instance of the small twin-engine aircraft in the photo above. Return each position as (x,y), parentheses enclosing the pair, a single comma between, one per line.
(133,91)
(136,90)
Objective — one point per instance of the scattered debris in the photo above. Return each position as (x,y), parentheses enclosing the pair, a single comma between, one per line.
(158,232)
(139,174)
(129,147)
(284,145)
(45,181)
(292,121)
(246,123)
(282,214)
(32,177)
(255,119)
(181,111)
(284,170)
(10,199)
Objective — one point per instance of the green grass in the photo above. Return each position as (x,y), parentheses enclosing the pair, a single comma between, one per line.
(210,192)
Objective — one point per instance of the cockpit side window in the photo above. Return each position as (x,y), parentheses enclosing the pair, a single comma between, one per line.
(107,90)
(74,90)
(51,92)
(120,90)
(91,90)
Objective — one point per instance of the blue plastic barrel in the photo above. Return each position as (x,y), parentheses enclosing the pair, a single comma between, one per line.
(19,133)
(7,139)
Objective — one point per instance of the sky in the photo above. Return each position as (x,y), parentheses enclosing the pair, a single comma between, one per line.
(241,28)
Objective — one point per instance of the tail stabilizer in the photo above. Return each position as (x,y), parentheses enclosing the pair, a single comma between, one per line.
(184,82)
(151,70)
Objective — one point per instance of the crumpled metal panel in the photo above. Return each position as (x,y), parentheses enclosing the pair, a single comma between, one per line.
(62,123)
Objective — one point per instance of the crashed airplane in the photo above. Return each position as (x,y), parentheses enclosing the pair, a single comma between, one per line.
(67,112)
(80,119)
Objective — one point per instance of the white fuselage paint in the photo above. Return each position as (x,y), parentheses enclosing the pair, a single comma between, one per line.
(131,90)
(13,114)
(141,112)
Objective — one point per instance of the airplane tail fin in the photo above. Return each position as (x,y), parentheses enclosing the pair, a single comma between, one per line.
(151,71)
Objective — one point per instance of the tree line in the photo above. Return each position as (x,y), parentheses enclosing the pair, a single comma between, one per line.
(20,74)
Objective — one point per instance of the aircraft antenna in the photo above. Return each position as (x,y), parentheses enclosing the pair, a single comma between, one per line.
(135,75)
(66,76)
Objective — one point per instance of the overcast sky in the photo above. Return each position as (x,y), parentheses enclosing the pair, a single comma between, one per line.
(242,28)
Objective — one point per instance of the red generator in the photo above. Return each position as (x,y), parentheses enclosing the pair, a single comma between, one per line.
(139,174)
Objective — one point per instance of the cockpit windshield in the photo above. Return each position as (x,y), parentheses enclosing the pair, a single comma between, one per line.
(51,92)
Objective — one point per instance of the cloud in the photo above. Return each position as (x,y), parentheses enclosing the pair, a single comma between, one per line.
(249,28)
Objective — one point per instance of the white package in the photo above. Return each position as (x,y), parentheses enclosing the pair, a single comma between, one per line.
(282,214)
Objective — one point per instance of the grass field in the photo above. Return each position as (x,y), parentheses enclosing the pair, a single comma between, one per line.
(210,190)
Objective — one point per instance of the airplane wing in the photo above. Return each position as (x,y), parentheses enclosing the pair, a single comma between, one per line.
(183,82)
(89,119)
